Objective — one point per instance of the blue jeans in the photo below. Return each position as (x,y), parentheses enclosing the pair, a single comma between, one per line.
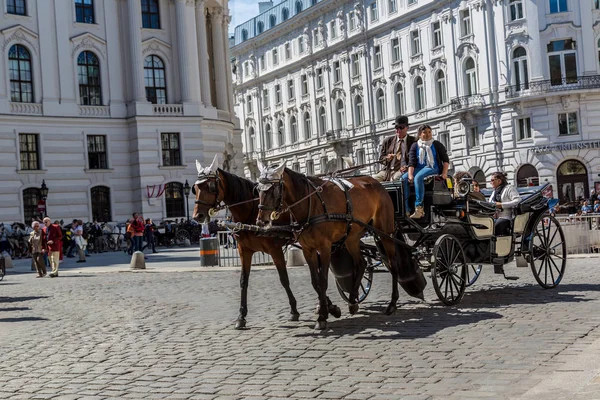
(137,243)
(420,175)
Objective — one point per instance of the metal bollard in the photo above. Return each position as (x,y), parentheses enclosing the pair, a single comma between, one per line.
(209,252)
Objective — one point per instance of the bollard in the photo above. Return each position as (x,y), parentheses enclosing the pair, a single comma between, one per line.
(137,260)
(186,242)
(7,260)
(295,257)
(209,252)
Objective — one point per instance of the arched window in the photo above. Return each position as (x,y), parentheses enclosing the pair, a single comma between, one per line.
(100,196)
(294,129)
(307,126)
(399,99)
(260,27)
(298,7)
(313,2)
(527,176)
(521,69)
(340,114)
(244,35)
(155,81)
(358,111)
(88,69)
(419,94)
(174,200)
(280,133)
(470,77)
(272,20)
(31,197)
(268,137)
(21,76)
(380,101)
(440,88)
(250,146)
(322,121)
(572,178)
(285,13)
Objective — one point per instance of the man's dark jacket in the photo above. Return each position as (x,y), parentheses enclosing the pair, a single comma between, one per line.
(388,147)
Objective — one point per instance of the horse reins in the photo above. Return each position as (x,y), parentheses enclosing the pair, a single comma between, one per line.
(217,206)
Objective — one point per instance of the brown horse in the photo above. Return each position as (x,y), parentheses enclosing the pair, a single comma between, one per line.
(370,205)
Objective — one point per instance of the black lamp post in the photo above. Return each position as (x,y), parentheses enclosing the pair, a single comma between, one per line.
(186,192)
(44,194)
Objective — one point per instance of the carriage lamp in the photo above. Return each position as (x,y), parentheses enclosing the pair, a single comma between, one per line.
(44,190)
(186,192)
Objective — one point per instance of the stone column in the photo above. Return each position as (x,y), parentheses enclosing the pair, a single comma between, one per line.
(134,9)
(203,53)
(187,55)
(228,74)
(216,19)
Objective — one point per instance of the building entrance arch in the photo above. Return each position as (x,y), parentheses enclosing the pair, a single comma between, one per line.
(572,179)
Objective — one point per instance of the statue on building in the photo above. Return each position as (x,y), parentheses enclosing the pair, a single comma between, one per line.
(306,35)
(229,158)
(342,20)
(252,66)
(358,12)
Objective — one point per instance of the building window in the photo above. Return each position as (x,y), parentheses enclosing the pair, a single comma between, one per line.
(411,2)
(473,136)
(419,94)
(17,7)
(340,114)
(465,22)
(296,167)
(272,21)
(337,72)
(377,57)
(96,146)
(436,30)
(380,99)
(150,14)
(516,9)
(265,98)
(288,51)
(170,149)
(280,133)
(301,45)
(174,200)
(100,196)
(358,111)
(31,198)
(268,137)
(322,121)
(597,4)
(291,90)
(374,12)
(249,105)
(310,167)
(285,14)
(88,67)
(84,11)
(277,94)
(260,27)
(298,7)
(470,77)
(521,70)
(323,165)
(360,157)
(444,139)
(316,37)
(307,126)
(567,124)
(351,21)
(251,138)
(440,88)
(154,79)
(319,78)
(527,176)
(294,129)
(395,50)
(392,6)
(261,62)
(399,99)
(355,66)
(558,6)
(524,128)
(29,150)
(275,57)
(21,76)
(415,43)
(244,35)
(304,84)
(562,58)
(333,29)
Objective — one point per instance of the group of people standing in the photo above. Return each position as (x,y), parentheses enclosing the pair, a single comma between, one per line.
(137,229)
(45,243)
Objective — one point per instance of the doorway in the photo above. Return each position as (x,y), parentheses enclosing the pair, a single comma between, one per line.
(572,178)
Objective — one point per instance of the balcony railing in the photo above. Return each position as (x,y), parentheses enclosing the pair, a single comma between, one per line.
(552,85)
(466,102)
(167,109)
(26,108)
(336,135)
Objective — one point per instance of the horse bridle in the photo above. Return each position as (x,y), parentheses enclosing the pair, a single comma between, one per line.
(213,188)
(263,186)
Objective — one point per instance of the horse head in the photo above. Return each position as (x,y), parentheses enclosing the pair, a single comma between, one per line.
(270,186)
(207,190)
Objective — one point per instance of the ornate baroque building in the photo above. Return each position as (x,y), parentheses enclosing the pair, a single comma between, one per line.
(100,98)
(509,85)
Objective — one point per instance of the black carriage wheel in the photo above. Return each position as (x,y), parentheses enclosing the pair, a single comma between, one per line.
(2,271)
(548,252)
(365,283)
(449,271)
(473,272)
(182,234)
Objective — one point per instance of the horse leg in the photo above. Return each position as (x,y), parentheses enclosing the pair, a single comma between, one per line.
(324,257)
(313,261)
(279,261)
(390,251)
(359,270)
(246,257)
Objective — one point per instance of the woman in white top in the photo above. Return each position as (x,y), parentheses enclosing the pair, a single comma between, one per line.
(506,197)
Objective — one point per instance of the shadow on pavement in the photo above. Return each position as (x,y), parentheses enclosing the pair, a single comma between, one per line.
(20,299)
(23,319)
(15,309)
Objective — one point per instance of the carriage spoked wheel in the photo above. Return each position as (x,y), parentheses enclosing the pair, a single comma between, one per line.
(365,283)
(473,273)
(548,252)
(2,270)
(182,234)
(449,271)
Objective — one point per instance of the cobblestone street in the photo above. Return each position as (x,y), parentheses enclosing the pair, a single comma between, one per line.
(149,335)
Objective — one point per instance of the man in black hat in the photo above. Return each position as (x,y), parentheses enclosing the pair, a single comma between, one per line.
(394,152)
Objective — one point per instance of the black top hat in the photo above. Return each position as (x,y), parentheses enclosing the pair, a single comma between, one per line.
(401,120)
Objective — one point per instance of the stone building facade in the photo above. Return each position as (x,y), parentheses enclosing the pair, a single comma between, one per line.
(508,85)
(100,99)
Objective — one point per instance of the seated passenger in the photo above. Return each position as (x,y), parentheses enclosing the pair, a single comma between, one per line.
(426,157)
(506,197)
(475,193)
(394,152)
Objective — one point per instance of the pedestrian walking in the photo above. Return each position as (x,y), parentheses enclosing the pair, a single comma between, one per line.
(54,243)
(37,244)
(97,234)
(80,242)
(149,232)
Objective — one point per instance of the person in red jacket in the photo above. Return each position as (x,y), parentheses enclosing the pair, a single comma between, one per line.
(138,232)
(54,243)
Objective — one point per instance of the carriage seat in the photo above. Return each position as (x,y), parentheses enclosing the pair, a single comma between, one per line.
(437,191)
(532,198)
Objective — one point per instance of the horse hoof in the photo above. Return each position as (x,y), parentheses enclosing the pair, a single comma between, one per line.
(335,311)
(353,308)
(320,325)
(318,310)
(294,317)
(240,324)
(390,309)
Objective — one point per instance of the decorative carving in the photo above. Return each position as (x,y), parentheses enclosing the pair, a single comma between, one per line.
(26,108)
(358,11)
(416,69)
(154,45)
(341,21)
(479,5)
(566,102)
(20,34)
(216,14)
(94,111)
(87,41)
(467,48)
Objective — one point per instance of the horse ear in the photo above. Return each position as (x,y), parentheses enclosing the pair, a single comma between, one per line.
(215,164)
(199,167)
(279,170)
(261,167)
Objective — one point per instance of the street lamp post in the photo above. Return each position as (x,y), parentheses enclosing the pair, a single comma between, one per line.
(44,195)
(186,192)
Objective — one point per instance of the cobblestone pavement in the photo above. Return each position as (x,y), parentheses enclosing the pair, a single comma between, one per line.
(144,335)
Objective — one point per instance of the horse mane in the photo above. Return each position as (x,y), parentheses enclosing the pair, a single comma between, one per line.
(238,188)
(299,180)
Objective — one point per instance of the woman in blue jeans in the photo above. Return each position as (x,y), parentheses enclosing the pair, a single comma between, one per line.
(426,157)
